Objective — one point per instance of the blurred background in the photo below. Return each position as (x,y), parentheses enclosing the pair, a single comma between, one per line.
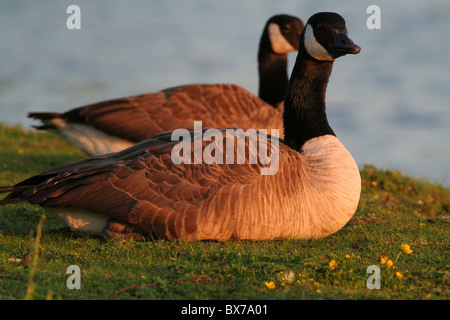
(389,105)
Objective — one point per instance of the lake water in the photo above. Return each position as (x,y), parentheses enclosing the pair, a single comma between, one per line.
(389,105)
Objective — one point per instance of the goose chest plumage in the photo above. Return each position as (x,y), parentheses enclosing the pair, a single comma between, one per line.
(140,190)
(113,125)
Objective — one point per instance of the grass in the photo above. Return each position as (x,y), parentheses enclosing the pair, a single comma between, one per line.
(394,210)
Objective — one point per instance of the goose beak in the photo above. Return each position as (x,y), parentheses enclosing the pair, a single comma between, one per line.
(344,45)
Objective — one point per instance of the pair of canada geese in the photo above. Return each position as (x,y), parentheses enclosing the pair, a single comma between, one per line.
(140,191)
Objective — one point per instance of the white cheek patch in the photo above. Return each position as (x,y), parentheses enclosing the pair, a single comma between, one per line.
(278,41)
(314,48)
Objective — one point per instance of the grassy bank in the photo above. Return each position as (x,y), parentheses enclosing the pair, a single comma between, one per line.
(394,210)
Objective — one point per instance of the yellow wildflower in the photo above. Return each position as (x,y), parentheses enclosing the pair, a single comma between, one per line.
(270,285)
(21,151)
(399,275)
(347,256)
(332,264)
(389,263)
(406,249)
(384,259)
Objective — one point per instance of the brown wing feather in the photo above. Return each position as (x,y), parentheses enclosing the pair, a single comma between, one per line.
(141,185)
(217,105)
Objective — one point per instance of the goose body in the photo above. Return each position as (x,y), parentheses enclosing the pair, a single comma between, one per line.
(140,190)
(113,125)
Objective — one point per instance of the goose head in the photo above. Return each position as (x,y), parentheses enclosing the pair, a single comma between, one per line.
(283,33)
(325,37)
(323,40)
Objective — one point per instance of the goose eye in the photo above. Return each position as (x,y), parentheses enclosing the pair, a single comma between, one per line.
(285,27)
(339,30)
(320,27)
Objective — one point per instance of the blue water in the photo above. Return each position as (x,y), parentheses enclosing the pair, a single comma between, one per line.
(389,105)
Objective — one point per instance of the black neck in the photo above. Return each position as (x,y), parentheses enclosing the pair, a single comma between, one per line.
(273,78)
(304,114)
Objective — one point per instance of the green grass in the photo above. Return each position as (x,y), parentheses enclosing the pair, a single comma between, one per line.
(394,209)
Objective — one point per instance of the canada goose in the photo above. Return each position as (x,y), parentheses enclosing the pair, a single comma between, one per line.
(113,125)
(140,190)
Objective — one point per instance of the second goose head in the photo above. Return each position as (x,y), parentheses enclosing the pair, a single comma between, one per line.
(280,36)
